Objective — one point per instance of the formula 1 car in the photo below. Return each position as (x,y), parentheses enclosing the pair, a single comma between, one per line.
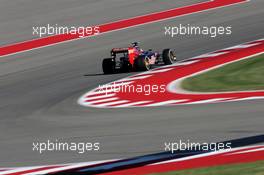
(135,59)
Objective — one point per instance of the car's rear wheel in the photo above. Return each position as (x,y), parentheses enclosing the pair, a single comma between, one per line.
(108,66)
(142,63)
(168,56)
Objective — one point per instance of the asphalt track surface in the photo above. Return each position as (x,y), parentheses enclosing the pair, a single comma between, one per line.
(39,89)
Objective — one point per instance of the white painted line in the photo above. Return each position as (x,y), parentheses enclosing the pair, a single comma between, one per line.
(248,151)
(180,63)
(242,46)
(132,104)
(211,55)
(70,166)
(17,170)
(102,100)
(208,101)
(192,157)
(111,103)
(165,102)
(247,98)
(186,63)
(160,70)
(135,78)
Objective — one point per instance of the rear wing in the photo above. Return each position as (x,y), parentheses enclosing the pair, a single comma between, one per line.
(119,50)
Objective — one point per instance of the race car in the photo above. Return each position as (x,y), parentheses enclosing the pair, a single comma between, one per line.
(133,58)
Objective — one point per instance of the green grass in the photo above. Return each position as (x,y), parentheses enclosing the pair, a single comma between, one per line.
(243,75)
(256,168)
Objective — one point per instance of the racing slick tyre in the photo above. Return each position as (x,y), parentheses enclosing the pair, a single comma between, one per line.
(108,66)
(142,63)
(168,56)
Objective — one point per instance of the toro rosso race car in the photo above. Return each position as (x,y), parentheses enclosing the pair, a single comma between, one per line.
(135,59)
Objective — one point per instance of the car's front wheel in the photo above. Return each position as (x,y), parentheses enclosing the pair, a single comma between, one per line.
(168,56)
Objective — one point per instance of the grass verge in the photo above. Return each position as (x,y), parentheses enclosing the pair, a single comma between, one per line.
(255,168)
(243,75)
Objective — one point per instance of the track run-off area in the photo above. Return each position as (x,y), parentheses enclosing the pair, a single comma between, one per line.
(112,95)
